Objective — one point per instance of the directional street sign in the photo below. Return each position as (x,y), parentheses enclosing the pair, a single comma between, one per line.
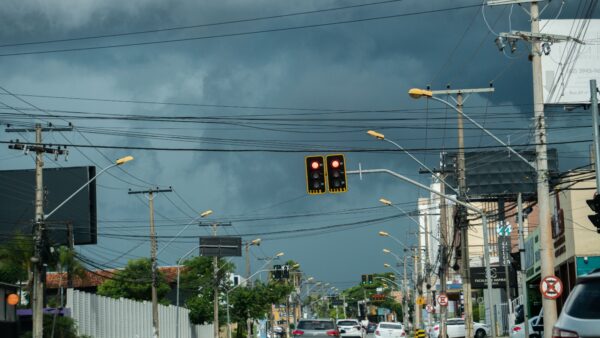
(504,229)
(551,287)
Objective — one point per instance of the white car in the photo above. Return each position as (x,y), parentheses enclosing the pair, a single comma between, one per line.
(518,330)
(455,327)
(390,330)
(350,328)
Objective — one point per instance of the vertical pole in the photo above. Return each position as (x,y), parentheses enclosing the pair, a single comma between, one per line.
(426,279)
(444,259)
(215,291)
(464,226)
(71,241)
(153,259)
(488,271)
(344,305)
(506,251)
(406,294)
(228,319)
(248,320)
(38,284)
(546,245)
(522,254)
(417,293)
(177,303)
(594,103)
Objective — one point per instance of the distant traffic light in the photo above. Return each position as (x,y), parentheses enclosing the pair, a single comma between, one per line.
(336,173)
(315,175)
(595,206)
(363,279)
(285,272)
(277,272)
(369,279)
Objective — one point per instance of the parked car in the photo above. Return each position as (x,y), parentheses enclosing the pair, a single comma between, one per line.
(390,330)
(316,328)
(455,327)
(371,327)
(350,328)
(518,330)
(580,316)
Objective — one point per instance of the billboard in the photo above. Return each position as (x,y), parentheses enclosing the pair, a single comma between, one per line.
(220,246)
(490,174)
(17,199)
(569,67)
(498,274)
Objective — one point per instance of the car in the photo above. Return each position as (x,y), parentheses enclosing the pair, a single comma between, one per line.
(371,327)
(390,330)
(455,327)
(316,328)
(350,328)
(518,330)
(580,316)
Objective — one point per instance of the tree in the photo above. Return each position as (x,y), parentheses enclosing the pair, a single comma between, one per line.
(15,259)
(135,282)
(197,283)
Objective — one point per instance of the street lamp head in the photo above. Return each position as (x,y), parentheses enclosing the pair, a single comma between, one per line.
(309,279)
(386,250)
(255,242)
(386,265)
(206,213)
(375,134)
(383,233)
(296,266)
(123,160)
(417,93)
(279,254)
(317,283)
(384,201)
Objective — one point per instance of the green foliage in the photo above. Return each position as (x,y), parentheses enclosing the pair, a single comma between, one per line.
(64,327)
(135,282)
(197,280)
(15,259)
(256,302)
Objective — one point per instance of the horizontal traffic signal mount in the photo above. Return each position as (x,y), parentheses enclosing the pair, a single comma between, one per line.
(315,174)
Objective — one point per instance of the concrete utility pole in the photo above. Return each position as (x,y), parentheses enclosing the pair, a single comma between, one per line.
(462,188)
(541,164)
(153,260)
(522,256)
(417,290)
(443,260)
(37,299)
(594,104)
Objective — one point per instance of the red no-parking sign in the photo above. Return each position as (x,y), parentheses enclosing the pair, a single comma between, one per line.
(551,287)
(442,299)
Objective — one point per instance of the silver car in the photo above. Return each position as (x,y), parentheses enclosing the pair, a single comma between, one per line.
(580,316)
(316,328)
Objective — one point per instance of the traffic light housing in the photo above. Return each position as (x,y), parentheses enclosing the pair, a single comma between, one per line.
(336,173)
(277,272)
(285,272)
(595,206)
(363,279)
(315,175)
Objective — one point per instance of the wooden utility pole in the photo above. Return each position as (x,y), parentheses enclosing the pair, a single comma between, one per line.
(153,260)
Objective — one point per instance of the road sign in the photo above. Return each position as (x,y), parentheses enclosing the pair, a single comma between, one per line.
(429,308)
(220,246)
(442,299)
(551,287)
(421,300)
(504,229)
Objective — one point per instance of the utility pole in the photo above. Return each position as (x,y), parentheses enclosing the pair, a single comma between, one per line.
(153,249)
(522,254)
(594,104)
(216,279)
(417,290)
(37,301)
(443,260)
(541,164)
(406,294)
(463,214)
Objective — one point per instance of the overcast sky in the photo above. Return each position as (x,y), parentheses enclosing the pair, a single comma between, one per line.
(255,86)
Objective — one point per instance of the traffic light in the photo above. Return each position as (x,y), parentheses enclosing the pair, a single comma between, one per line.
(277,272)
(595,206)
(285,272)
(315,175)
(336,173)
(369,279)
(363,279)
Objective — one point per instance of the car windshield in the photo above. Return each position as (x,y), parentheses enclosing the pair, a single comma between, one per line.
(390,326)
(584,300)
(315,325)
(347,323)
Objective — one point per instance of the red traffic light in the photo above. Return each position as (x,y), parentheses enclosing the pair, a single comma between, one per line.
(315,165)
(315,175)
(335,164)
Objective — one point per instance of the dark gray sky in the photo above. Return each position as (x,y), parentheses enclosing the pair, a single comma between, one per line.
(283,87)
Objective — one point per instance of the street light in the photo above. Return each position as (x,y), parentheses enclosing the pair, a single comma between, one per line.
(385,234)
(389,203)
(202,215)
(118,162)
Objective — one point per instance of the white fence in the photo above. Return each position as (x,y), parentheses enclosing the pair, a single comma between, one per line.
(104,317)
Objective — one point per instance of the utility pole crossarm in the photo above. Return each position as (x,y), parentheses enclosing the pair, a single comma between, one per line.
(539,37)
